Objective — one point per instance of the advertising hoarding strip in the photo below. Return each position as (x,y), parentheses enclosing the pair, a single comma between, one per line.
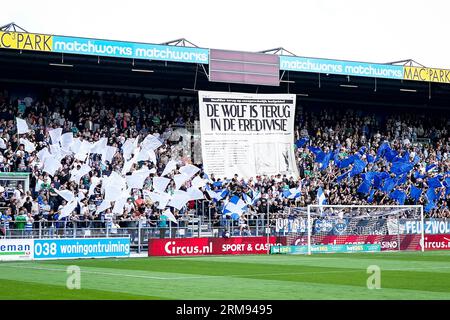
(81,248)
(26,41)
(340,67)
(122,49)
(326,248)
(97,47)
(427,74)
(388,242)
(136,50)
(212,246)
(16,249)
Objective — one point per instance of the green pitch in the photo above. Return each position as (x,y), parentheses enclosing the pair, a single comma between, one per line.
(404,275)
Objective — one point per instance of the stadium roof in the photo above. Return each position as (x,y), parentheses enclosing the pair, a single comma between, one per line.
(179,67)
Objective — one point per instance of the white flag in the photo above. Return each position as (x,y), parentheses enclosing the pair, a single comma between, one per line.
(128,148)
(161,198)
(180,179)
(136,180)
(51,165)
(99,146)
(195,194)
(170,166)
(68,208)
(160,184)
(118,205)
(108,154)
(22,126)
(66,140)
(29,146)
(65,194)
(75,145)
(179,200)
(55,135)
(145,155)
(169,216)
(43,154)
(189,170)
(103,206)
(198,182)
(151,143)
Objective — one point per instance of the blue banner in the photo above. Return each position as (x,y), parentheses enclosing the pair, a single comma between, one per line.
(432,226)
(350,68)
(81,248)
(122,49)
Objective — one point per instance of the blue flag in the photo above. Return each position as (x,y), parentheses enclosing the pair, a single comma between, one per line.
(377,180)
(326,160)
(415,193)
(358,167)
(401,180)
(370,158)
(398,195)
(300,143)
(364,187)
(417,175)
(314,150)
(447,182)
(384,175)
(369,176)
(342,176)
(399,167)
(388,185)
(321,199)
(431,195)
(292,193)
(218,184)
(429,167)
(320,156)
(430,205)
(390,155)
(447,186)
(362,150)
(344,163)
(434,183)
(370,198)
(382,149)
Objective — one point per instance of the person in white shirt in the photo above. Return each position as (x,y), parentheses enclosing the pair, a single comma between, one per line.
(129,206)
(39,183)
(18,192)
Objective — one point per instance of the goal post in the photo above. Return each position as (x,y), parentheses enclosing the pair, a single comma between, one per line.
(354,228)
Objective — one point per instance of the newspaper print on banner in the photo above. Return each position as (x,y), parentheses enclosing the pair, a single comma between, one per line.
(247,134)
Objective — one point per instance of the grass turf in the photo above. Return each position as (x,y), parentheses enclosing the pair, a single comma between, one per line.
(404,275)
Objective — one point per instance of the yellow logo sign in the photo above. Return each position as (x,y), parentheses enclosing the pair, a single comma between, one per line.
(426,74)
(26,41)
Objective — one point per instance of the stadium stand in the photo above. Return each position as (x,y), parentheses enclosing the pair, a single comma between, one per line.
(354,155)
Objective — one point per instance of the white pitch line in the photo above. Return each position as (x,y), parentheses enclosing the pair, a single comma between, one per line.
(209,276)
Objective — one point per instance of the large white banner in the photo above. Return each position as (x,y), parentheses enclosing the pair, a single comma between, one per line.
(247,134)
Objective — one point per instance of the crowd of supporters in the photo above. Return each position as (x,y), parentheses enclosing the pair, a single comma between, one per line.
(420,138)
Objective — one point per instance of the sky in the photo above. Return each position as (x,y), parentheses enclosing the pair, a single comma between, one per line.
(379,31)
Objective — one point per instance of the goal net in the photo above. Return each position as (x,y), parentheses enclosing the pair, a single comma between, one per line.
(350,228)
